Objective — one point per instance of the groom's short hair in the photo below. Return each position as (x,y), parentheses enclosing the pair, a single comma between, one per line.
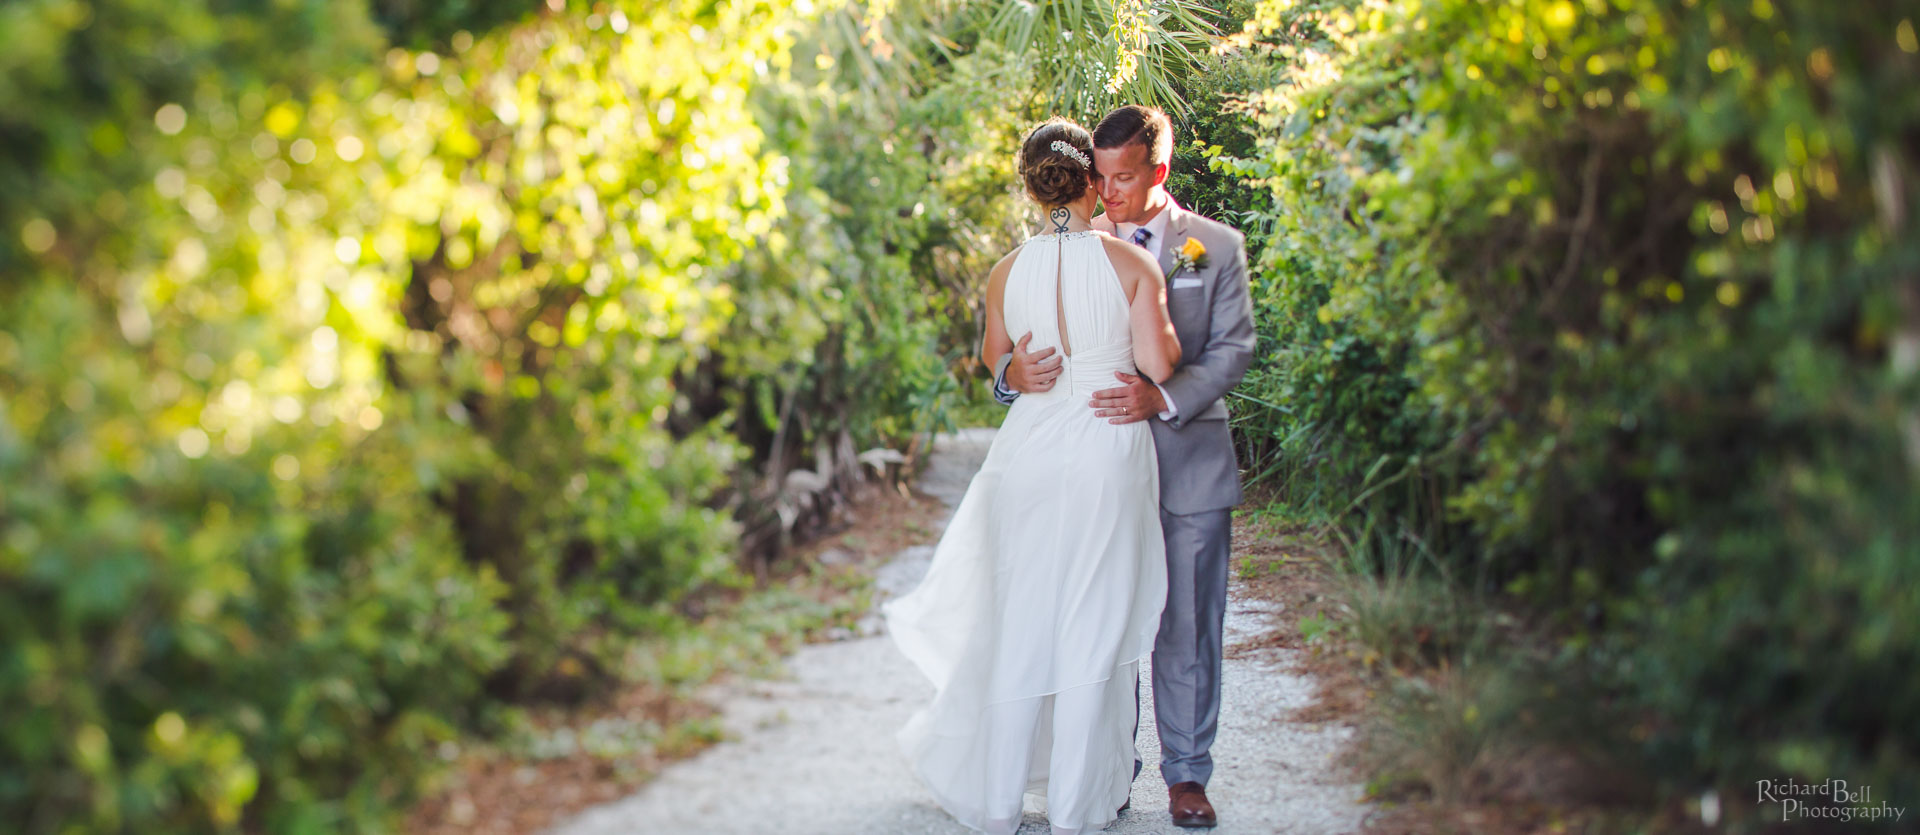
(1133,123)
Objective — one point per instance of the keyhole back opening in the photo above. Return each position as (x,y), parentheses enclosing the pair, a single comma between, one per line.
(1060,298)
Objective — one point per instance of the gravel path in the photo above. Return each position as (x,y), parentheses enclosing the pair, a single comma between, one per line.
(813,753)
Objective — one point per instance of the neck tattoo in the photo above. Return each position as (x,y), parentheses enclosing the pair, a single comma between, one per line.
(1059,215)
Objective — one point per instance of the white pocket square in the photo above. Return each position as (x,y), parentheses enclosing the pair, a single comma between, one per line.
(1183,283)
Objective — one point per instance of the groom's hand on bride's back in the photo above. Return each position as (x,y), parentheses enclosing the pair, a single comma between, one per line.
(1134,400)
(1037,371)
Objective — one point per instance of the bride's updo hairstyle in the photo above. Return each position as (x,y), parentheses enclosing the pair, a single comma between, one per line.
(1055,177)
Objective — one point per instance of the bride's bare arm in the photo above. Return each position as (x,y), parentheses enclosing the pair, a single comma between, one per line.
(997,342)
(1156,349)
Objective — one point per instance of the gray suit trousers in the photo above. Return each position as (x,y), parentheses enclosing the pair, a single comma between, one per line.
(1186,653)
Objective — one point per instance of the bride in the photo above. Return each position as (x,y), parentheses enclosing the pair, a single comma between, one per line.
(1045,592)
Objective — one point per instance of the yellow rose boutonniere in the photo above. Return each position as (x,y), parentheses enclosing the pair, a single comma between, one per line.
(1192,256)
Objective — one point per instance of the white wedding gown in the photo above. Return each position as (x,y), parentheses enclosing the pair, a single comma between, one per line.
(1045,591)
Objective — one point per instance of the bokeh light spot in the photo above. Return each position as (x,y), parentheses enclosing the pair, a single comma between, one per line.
(38,235)
(193,442)
(170,118)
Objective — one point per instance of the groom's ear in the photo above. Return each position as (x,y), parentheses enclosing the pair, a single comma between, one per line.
(1160,170)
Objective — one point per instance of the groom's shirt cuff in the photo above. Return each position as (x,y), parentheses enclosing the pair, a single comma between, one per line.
(1000,390)
(1173,409)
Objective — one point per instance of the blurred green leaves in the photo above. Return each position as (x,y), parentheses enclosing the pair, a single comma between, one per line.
(1089,57)
(348,389)
(1596,304)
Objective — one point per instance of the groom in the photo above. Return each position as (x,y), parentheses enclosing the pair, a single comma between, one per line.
(1206,265)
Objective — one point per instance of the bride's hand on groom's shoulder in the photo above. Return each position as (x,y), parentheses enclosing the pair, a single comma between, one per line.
(1132,401)
(1033,372)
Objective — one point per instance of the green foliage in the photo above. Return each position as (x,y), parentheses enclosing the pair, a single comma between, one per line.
(230,599)
(271,633)
(338,385)
(432,24)
(366,364)
(1216,129)
(585,256)
(1090,57)
(1609,306)
(1315,627)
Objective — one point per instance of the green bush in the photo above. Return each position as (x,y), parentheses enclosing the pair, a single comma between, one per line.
(1608,305)
(230,600)
(364,367)
(347,390)
(197,639)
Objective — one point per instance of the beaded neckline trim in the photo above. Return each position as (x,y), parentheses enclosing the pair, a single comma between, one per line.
(1065,236)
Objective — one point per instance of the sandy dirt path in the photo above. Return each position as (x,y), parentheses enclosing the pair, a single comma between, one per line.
(813,753)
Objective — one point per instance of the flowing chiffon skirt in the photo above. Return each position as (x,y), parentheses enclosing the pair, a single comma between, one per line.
(1044,593)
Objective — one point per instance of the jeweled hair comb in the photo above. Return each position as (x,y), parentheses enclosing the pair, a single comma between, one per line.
(1078,155)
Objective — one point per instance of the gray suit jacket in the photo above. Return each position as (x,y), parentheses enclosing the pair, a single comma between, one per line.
(1213,318)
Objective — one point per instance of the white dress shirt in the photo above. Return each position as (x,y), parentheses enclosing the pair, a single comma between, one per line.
(1156,227)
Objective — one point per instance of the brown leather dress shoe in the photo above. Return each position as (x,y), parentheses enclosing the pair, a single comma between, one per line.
(1188,803)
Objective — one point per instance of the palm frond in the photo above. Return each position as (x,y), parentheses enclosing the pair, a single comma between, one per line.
(1094,54)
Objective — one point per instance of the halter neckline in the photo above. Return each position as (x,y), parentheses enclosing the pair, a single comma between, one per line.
(1066,236)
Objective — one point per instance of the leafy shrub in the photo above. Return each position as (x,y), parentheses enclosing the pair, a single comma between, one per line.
(367,365)
(1605,304)
(273,633)
(344,392)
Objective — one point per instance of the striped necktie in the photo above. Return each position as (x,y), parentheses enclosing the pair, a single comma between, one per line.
(1140,237)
